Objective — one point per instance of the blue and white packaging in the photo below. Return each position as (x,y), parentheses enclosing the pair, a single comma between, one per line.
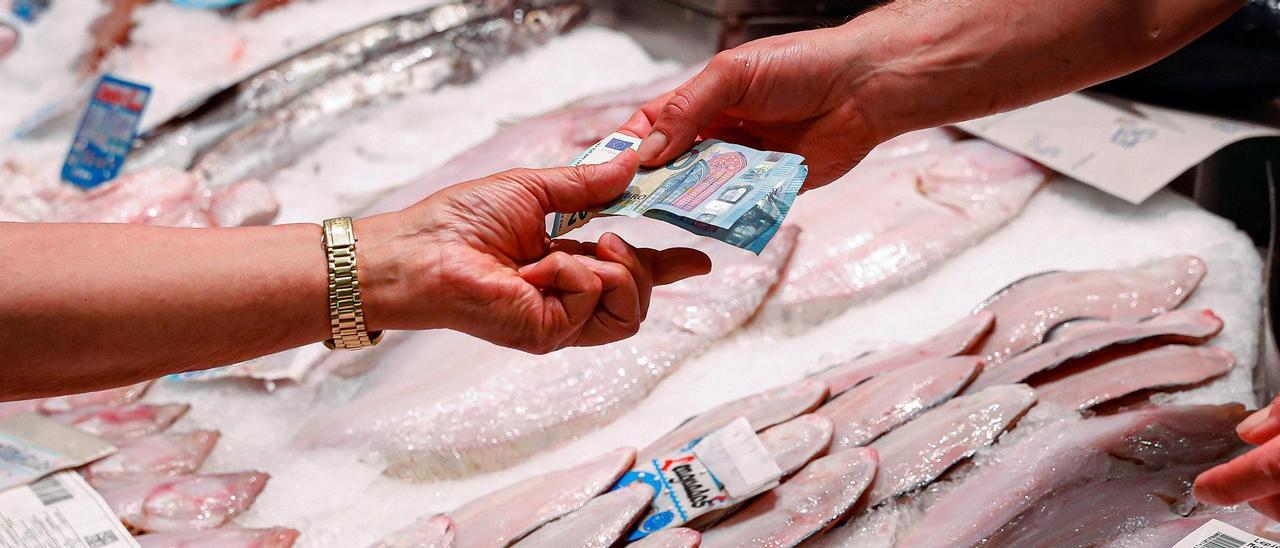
(106,132)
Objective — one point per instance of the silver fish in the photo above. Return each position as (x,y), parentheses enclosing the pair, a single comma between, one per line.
(454,56)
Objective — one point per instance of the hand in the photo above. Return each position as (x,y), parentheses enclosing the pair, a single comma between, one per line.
(790,93)
(475,257)
(1253,477)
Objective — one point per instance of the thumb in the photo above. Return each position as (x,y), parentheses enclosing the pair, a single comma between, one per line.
(683,113)
(577,188)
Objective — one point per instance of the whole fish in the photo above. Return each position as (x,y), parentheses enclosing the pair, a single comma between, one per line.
(1059,454)
(916,453)
(954,340)
(872,408)
(176,142)
(1027,309)
(680,537)
(761,411)
(427,532)
(480,407)
(598,524)
(1167,366)
(454,56)
(226,537)
(1091,337)
(124,422)
(184,503)
(887,223)
(149,456)
(816,497)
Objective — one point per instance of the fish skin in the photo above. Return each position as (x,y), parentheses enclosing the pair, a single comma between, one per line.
(761,410)
(679,537)
(450,57)
(169,454)
(1060,453)
(427,532)
(226,537)
(432,422)
(183,503)
(956,339)
(816,497)
(872,408)
(1028,308)
(1167,366)
(508,514)
(598,524)
(916,453)
(887,223)
(1170,532)
(1187,326)
(175,142)
(124,422)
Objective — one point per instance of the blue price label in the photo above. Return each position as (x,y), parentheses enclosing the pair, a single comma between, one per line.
(106,132)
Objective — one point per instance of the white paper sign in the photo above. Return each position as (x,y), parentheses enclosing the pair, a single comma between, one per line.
(1127,149)
(60,511)
(1216,534)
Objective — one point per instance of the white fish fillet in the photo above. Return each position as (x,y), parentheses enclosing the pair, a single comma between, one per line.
(954,340)
(761,411)
(1163,367)
(680,537)
(183,503)
(60,404)
(227,537)
(120,423)
(794,443)
(1170,532)
(916,453)
(506,515)
(1060,454)
(598,524)
(911,143)
(155,455)
(445,405)
(426,532)
(886,223)
(1191,326)
(802,506)
(872,408)
(1027,309)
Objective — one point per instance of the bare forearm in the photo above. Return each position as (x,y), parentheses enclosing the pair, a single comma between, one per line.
(85,307)
(923,63)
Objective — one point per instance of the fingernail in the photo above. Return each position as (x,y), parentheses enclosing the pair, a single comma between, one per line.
(1253,421)
(652,146)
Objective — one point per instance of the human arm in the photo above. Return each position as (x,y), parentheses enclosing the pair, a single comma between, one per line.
(833,94)
(87,307)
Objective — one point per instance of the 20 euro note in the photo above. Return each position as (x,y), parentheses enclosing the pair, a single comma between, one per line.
(720,190)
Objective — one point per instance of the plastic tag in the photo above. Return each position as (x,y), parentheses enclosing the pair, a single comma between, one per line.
(106,132)
(1216,534)
(30,10)
(61,510)
(32,446)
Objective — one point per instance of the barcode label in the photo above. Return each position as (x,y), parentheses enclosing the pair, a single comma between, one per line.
(98,540)
(50,491)
(1216,534)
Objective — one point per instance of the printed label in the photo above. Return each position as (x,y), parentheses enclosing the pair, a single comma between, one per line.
(59,511)
(1216,534)
(32,446)
(106,132)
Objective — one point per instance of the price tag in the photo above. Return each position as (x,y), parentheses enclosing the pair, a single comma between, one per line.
(106,132)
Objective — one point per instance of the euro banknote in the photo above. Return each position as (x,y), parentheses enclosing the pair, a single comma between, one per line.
(720,190)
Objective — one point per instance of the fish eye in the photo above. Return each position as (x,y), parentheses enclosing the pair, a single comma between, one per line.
(537,18)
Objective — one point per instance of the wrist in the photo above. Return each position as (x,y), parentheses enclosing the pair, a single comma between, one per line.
(398,284)
(887,79)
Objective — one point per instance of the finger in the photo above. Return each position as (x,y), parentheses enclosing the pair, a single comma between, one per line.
(1260,426)
(641,123)
(614,248)
(571,293)
(1267,506)
(690,108)
(618,314)
(678,263)
(578,188)
(1247,477)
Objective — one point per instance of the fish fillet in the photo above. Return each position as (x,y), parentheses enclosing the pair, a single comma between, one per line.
(1169,533)
(954,340)
(506,515)
(227,537)
(1060,454)
(794,443)
(184,502)
(761,410)
(911,143)
(427,532)
(680,537)
(802,506)
(61,404)
(916,453)
(886,223)
(598,524)
(446,405)
(1027,309)
(874,407)
(1189,326)
(155,455)
(1166,366)
(120,423)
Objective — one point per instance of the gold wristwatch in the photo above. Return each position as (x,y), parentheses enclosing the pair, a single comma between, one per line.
(346,311)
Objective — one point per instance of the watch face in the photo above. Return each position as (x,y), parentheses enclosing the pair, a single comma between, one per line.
(338,232)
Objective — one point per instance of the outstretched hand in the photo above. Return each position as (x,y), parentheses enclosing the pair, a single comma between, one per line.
(1253,477)
(476,258)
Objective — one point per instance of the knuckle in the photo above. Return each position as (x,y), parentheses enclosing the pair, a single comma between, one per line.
(680,105)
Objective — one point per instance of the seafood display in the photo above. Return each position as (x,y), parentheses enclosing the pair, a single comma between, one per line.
(183,503)
(167,454)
